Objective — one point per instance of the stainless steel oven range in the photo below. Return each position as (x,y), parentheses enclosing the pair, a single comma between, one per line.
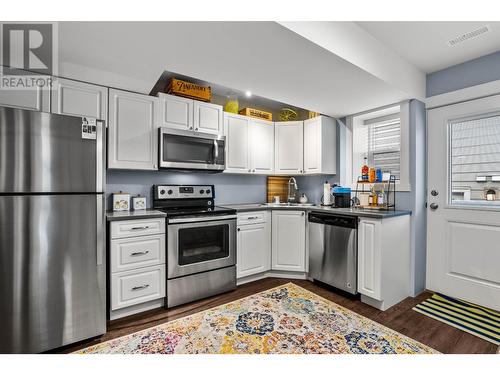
(201,242)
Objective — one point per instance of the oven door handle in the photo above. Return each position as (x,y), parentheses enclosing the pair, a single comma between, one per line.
(200,219)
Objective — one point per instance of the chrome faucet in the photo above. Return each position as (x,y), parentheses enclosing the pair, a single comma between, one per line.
(292,182)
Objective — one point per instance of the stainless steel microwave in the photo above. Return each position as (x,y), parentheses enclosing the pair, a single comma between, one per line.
(183,149)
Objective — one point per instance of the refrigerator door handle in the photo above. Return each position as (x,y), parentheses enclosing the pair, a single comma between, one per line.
(99,230)
(99,157)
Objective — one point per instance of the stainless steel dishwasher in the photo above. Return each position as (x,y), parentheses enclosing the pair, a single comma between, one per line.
(333,250)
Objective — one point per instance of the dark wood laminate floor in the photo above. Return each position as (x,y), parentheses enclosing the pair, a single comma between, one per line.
(400,318)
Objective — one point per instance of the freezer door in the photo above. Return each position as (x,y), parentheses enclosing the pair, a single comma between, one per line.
(42,152)
(52,271)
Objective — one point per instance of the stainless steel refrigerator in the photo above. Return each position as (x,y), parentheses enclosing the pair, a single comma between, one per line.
(52,230)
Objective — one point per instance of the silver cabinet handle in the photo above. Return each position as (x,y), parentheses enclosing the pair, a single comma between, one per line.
(434,206)
(140,228)
(140,253)
(140,287)
(190,128)
(254,170)
(249,170)
(303,213)
(196,129)
(252,217)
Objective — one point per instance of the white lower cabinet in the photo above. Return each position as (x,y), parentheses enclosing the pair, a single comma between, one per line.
(137,266)
(254,244)
(288,240)
(138,286)
(384,260)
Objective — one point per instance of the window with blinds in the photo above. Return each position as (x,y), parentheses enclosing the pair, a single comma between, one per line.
(384,144)
(475,159)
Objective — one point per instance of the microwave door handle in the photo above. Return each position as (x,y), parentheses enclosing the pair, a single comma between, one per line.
(216,151)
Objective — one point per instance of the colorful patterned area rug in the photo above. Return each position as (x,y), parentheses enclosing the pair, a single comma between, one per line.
(283,320)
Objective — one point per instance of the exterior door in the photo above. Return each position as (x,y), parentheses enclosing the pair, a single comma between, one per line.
(463,243)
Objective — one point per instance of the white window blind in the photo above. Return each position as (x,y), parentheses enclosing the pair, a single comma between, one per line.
(384,145)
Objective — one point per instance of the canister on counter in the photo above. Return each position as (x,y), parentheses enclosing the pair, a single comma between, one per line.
(121,201)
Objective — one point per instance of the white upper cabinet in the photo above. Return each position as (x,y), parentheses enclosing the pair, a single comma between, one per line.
(261,135)
(288,240)
(79,99)
(289,144)
(176,112)
(35,99)
(187,114)
(208,118)
(132,140)
(237,143)
(320,145)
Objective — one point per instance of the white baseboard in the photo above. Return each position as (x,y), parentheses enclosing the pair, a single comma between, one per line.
(131,310)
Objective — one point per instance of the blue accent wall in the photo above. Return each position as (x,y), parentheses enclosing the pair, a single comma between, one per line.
(471,73)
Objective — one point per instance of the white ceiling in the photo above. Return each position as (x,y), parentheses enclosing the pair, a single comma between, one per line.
(424,44)
(264,57)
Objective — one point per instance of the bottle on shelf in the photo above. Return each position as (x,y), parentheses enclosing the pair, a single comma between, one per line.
(381,197)
(365,170)
(372,175)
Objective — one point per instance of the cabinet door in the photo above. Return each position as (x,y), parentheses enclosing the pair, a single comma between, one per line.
(176,112)
(261,135)
(79,99)
(36,99)
(237,156)
(288,241)
(369,256)
(312,145)
(289,147)
(254,249)
(208,118)
(132,131)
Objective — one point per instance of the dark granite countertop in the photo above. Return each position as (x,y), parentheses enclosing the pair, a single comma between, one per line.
(376,214)
(137,214)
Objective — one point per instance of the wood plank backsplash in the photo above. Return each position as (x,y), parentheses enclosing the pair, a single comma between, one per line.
(277,185)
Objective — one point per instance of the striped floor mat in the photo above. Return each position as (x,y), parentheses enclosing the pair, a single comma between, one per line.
(468,317)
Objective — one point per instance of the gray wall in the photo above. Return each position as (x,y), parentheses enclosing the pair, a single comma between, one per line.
(467,74)
(229,188)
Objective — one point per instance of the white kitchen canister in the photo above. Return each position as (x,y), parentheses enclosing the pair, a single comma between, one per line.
(121,201)
(139,203)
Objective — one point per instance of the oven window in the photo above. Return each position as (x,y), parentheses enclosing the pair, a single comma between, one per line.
(201,244)
(178,148)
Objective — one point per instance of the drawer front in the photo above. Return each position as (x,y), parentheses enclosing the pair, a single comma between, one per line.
(136,252)
(132,228)
(133,287)
(253,217)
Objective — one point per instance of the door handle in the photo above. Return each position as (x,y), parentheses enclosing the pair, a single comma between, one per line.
(139,228)
(434,206)
(434,193)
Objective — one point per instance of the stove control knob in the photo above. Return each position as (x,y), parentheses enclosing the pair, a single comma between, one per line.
(209,203)
(162,191)
(208,191)
(170,192)
(202,191)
